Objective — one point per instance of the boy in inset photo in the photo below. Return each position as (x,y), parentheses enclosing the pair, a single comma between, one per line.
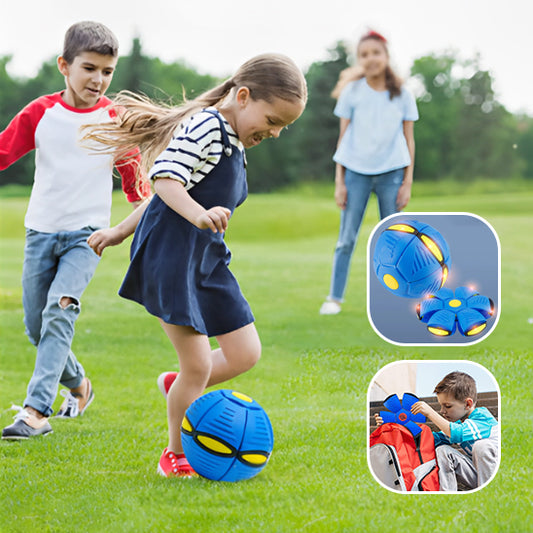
(460,422)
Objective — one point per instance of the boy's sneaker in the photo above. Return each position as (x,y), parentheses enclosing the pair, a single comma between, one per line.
(26,425)
(329,307)
(165,380)
(75,404)
(174,465)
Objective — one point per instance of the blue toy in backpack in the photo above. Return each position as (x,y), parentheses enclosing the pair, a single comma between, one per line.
(399,412)
(464,310)
(411,259)
(226,436)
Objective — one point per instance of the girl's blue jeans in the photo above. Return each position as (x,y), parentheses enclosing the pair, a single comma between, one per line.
(359,187)
(57,266)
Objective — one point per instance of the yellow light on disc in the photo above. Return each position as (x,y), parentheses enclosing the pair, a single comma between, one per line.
(254,458)
(438,331)
(186,425)
(402,227)
(477,329)
(391,282)
(214,445)
(242,396)
(454,303)
(432,246)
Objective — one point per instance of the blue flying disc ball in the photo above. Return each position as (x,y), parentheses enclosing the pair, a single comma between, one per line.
(226,436)
(464,310)
(399,412)
(411,259)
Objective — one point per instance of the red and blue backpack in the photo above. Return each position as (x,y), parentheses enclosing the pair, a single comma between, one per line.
(402,452)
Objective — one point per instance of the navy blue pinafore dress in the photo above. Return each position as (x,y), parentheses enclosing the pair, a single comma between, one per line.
(180,273)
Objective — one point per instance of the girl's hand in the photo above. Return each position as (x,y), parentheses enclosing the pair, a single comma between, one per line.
(215,219)
(341,194)
(103,238)
(404,195)
(379,420)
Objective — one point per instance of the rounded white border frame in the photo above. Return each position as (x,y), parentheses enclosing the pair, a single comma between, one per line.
(369,272)
(434,361)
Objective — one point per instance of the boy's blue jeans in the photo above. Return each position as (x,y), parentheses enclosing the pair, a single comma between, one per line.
(359,187)
(56,266)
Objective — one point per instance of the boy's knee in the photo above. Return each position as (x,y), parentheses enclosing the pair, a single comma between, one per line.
(484,449)
(66,301)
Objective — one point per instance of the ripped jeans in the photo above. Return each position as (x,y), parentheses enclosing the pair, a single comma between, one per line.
(57,269)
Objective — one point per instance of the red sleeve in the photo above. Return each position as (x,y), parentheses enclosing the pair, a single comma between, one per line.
(135,190)
(19,136)
(128,168)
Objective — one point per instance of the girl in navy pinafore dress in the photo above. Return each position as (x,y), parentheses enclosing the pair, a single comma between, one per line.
(179,260)
(198,289)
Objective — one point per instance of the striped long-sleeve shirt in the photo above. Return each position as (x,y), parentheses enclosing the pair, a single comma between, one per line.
(479,425)
(194,150)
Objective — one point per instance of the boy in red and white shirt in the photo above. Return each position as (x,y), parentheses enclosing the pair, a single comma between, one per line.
(71,197)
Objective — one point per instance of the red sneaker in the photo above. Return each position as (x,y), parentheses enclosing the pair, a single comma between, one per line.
(174,465)
(165,380)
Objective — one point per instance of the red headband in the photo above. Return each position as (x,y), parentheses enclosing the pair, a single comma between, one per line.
(373,35)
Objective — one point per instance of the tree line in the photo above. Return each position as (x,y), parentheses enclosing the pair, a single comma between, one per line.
(463,131)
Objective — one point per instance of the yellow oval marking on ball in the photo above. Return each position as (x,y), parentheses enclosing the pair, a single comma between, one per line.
(254,458)
(402,227)
(242,396)
(433,247)
(438,331)
(186,425)
(477,329)
(391,282)
(454,303)
(214,445)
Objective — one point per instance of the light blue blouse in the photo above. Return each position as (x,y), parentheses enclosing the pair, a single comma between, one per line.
(374,141)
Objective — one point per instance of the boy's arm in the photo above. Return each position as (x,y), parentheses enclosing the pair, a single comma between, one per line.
(103,238)
(18,138)
(428,412)
(129,168)
(477,426)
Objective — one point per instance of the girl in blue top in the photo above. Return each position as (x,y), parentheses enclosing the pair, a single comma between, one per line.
(179,260)
(375,150)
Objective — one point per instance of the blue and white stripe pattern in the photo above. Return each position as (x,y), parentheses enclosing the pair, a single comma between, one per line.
(479,425)
(194,151)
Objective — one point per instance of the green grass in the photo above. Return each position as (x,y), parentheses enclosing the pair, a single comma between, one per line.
(97,473)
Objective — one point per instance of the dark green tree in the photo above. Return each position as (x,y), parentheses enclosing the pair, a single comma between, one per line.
(463,131)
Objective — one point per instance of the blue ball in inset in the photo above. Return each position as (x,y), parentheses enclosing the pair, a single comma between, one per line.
(226,436)
(411,259)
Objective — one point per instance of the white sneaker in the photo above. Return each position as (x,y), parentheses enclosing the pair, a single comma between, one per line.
(330,308)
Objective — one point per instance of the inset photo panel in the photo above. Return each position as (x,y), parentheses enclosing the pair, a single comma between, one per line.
(433,279)
(433,427)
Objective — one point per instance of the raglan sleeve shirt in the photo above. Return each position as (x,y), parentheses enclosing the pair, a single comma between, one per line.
(73,181)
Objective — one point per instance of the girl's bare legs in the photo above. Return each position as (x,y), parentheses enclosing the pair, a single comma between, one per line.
(201,367)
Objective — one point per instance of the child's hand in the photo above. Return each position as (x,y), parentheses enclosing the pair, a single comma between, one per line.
(103,238)
(379,420)
(341,195)
(423,408)
(215,219)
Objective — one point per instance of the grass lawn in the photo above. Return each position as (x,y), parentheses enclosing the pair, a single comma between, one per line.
(98,473)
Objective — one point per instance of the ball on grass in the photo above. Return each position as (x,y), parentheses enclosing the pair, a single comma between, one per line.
(411,259)
(226,436)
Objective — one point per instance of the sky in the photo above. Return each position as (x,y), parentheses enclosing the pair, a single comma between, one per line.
(428,374)
(217,37)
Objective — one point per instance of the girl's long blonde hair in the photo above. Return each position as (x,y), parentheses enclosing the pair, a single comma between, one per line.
(392,81)
(147,125)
